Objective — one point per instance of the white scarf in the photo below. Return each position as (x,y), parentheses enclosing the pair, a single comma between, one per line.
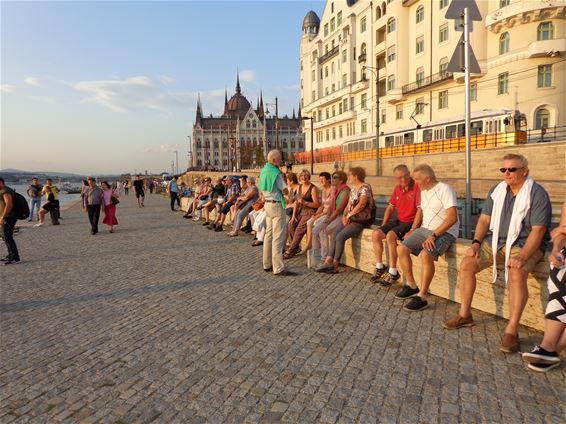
(520,209)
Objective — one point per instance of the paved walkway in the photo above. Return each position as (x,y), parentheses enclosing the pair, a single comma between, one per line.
(165,321)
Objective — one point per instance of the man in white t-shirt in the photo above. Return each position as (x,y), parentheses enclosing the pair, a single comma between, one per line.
(438,231)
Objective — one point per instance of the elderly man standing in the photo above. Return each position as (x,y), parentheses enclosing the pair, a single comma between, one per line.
(272,187)
(93,201)
(438,231)
(512,230)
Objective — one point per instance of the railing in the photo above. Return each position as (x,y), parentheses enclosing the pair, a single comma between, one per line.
(426,82)
(362,58)
(328,55)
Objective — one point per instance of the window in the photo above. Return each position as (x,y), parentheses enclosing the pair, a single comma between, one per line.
(340,108)
(420,76)
(544,76)
(352,104)
(391,54)
(327,135)
(340,132)
(325,30)
(339,19)
(390,25)
(345,104)
(327,113)
(326,71)
(409,138)
(363,24)
(474,91)
(399,112)
(332,24)
(476,128)
(333,110)
(377,13)
(451,131)
(344,56)
(443,67)
(383,116)
(333,133)
(503,3)
(443,99)
(427,135)
(542,118)
(545,31)
(443,33)
(503,83)
(390,82)
(344,80)
(504,43)
(420,45)
(419,107)
(364,128)
(443,3)
(420,14)
(364,101)
(313,75)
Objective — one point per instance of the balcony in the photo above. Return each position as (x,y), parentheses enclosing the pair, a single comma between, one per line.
(526,10)
(427,82)
(328,55)
(545,48)
(362,58)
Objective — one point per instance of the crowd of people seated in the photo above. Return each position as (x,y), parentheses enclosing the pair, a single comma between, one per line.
(420,221)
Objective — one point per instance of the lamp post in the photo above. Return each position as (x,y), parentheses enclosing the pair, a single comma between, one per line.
(176,162)
(190,153)
(375,72)
(310,118)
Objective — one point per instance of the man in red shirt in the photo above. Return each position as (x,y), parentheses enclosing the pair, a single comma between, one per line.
(406,199)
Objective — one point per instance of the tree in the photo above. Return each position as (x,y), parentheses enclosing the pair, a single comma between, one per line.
(259,157)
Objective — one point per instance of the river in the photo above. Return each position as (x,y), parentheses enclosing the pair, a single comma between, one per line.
(63,197)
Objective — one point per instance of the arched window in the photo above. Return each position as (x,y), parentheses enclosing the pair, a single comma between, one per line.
(378,12)
(542,118)
(383,8)
(390,25)
(363,48)
(420,14)
(545,31)
(254,123)
(504,43)
(248,124)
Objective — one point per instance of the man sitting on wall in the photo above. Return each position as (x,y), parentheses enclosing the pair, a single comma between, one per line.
(439,230)
(512,230)
(406,198)
(232,193)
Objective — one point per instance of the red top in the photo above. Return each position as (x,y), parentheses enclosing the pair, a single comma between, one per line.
(406,201)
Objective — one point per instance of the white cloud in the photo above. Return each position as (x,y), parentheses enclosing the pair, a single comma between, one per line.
(32,81)
(166,79)
(248,75)
(43,99)
(7,88)
(164,148)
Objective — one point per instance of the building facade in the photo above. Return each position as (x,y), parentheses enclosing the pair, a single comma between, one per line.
(401,50)
(242,136)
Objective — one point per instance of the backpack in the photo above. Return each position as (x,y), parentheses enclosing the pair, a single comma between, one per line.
(20,207)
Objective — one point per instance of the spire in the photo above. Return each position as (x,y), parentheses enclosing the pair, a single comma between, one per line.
(199,111)
(225,101)
(294,114)
(238,88)
(300,116)
(260,108)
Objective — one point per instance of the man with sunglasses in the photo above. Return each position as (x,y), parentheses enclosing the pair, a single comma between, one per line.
(512,231)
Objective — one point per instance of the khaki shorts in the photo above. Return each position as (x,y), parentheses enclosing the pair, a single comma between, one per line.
(486,257)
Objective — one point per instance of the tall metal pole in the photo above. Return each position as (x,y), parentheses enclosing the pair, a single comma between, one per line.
(377,123)
(312,145)
(468,209)
(176,162)
(276,124)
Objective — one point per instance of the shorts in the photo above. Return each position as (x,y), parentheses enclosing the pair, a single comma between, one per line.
(415,242)
(485,259)
(140,193)
(49,207)
(398,227)
(226,208)
(556,307)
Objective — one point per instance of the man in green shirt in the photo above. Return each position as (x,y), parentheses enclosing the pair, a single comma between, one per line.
(8,223)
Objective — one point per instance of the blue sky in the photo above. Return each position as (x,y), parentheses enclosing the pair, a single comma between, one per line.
(97,87)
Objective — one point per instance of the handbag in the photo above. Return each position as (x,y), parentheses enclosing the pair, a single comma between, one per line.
(367,215)
(114,200)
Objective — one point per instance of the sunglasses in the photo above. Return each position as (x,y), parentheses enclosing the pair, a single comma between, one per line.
(504,170)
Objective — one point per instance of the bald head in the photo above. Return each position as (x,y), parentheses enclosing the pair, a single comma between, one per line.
(274,157)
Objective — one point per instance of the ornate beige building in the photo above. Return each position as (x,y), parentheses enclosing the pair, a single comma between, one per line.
(241,137)
(401,48)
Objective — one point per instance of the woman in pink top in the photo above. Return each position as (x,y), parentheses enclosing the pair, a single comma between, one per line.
(316,220)
(109,206)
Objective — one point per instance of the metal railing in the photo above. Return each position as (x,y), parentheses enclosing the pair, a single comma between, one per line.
(426,82)
(328,55)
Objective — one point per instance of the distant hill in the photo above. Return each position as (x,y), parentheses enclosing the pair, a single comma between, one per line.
(19,172)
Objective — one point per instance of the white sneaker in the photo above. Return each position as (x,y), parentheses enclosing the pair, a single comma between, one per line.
(39,224)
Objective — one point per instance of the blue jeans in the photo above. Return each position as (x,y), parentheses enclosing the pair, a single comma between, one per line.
(339,237)
(242,213)
(35,206)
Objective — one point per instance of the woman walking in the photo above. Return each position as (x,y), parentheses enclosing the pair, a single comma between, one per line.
(359,213)
(110,202)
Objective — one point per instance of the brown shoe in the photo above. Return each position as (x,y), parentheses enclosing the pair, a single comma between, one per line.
(459,322)
(509,343)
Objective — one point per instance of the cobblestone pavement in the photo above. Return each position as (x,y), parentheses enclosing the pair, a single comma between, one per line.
(165,321)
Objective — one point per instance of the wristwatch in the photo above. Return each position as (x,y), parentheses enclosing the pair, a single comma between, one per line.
(474,241)
(434,235)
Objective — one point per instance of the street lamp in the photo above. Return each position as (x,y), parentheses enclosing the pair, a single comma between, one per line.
(190,153)
(375,72)
(176,162)
(310,118)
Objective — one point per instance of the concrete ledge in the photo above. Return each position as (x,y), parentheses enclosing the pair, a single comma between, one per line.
(491,298)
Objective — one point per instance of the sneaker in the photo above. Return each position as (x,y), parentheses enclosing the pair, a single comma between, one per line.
(211,226)
(6,259)
(323,267)
(378,274)
(39,224)
(12,262)
(509,343)
(218,228)
(389,279)
(406,292)
(541,356)
(459,322)
(205,223)
(415,304)
(542,367)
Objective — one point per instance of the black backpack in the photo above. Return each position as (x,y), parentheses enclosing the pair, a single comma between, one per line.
(20,207)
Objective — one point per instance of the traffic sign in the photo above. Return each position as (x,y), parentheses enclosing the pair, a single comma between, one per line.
(457,62)
(456,9)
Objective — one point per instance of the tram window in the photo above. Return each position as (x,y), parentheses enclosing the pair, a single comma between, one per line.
(477,127)
(427,135)
(389,141)
(439,134)
(409,138)
(361,145)
(489,127)
(451,131)
(368,145)
(461,130)
(497,126)
(398,140)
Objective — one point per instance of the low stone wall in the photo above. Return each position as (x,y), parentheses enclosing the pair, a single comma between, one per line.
(491,298)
